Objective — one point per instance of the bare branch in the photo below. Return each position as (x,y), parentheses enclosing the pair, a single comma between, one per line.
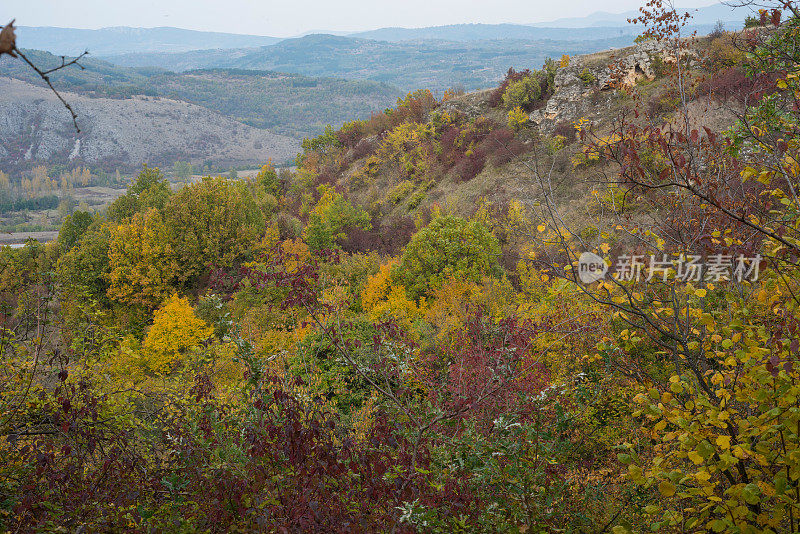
(65,63)
(8,45)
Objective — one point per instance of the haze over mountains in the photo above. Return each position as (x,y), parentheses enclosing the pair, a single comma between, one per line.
(408,65)
(288,104)
(290,87)
(121,40)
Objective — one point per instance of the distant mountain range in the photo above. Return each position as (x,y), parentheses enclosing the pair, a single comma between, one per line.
(700,16)
(288,104)
(408,65)
(124,40)
(482,32)
(192,87)
(121,40)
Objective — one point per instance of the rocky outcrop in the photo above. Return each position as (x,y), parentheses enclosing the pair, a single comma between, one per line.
(470,105)
(124,133)
(584,87)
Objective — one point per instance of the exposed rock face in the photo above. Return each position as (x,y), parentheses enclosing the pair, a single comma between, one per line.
(630,67)
(583,88)
(471,105)
(36,129)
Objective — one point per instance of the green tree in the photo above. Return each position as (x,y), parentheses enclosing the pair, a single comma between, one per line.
(73,228)
(267,180)
(324,141)
(182,169)
(84,268)
(522,93)
(448,247)
(150,190)
(329,219)
(212,222)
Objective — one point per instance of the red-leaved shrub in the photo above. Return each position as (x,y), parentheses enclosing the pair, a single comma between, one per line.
(470,166)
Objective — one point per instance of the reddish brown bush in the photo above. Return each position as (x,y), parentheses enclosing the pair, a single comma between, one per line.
(351,133)
(502,146)
(326,176)
(364,148)
(415,107)
(450,154)
(732,84)
(389,238)
(470,166)
(566,130)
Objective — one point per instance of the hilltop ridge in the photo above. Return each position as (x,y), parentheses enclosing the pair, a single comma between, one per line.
(466,151)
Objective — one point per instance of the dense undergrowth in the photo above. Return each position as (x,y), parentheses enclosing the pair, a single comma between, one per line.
(329,350)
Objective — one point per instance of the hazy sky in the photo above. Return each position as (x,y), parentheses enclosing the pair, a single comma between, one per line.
(285,18)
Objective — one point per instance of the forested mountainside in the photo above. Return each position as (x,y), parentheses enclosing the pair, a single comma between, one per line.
(410,65)
(123,133)
(568,303)
(286,104)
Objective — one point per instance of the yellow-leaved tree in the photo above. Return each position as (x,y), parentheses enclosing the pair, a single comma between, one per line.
(384,300)
(176,329)
(141,260)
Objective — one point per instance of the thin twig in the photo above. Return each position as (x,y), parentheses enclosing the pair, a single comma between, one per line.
(45,75)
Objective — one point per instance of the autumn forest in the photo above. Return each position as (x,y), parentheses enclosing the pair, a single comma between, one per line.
(569,303)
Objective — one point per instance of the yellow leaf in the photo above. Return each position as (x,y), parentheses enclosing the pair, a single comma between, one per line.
(696,458)
(765,177)
(666,488)
(724,442)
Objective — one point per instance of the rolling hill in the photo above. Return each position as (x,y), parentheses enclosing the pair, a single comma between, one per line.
(124,133)
(408,65)
(289,104)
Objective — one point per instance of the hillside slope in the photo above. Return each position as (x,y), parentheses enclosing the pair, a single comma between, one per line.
(35,128)
(288,104)
(464,152)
